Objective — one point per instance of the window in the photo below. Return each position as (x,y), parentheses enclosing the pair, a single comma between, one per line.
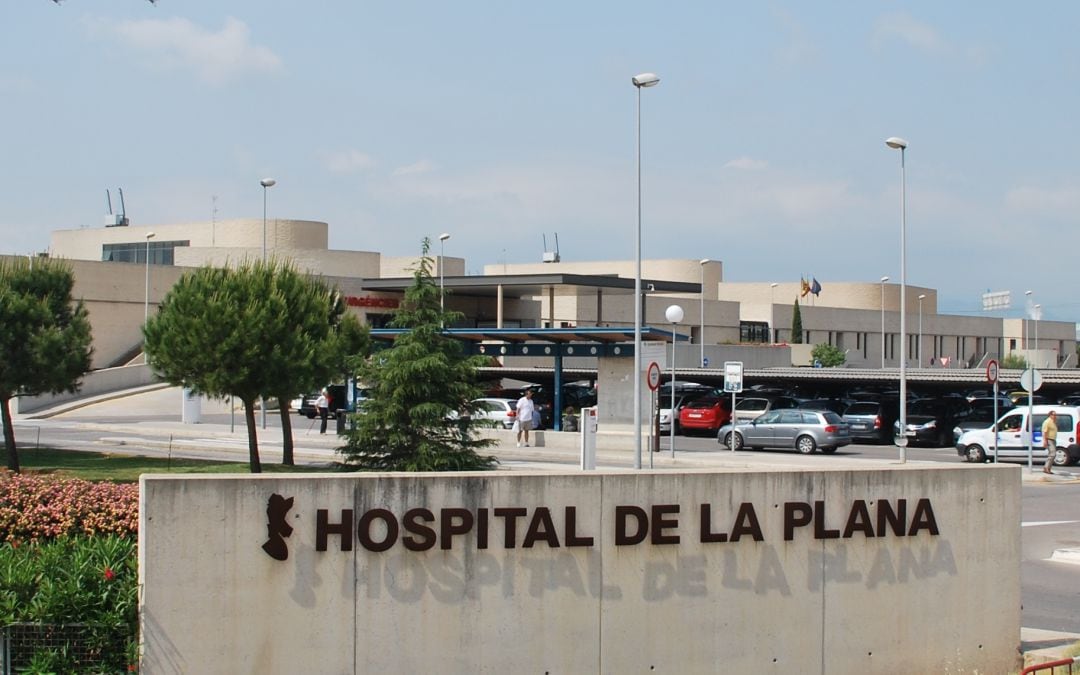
(753,331)
(161,252)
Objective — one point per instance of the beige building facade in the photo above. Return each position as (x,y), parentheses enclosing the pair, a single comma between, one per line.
(862,319)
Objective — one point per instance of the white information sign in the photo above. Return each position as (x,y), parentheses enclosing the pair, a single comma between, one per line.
(654,352)
(733,373)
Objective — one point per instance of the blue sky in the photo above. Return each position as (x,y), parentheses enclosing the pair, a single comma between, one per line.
(502,122)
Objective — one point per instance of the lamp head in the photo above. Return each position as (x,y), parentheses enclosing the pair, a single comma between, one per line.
(922,296)
(645,80)
(884,279)
(674,314)
(896,143)
(1027,292)
(773,285)
(704,261)
(149,236)
(268,182)
(444,236)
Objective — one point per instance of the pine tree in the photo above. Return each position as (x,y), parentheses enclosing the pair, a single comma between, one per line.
(418,388)
(796,324)
(45,340)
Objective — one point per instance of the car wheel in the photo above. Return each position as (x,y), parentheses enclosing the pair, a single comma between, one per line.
(738,441)
(1061,457)
(975,454)
(828,451)
(805,444)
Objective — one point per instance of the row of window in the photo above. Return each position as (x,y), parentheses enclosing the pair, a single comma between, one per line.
(161,252)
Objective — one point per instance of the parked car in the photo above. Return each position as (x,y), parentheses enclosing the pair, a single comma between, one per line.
(753,406)
(872,420)
(1013,433)
(930,421)
(707,413)
(502,411)
(802,430)
(981,415)
(836,405)
(683,395)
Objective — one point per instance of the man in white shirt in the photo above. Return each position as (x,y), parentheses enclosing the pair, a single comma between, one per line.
(525,409)
(322,406)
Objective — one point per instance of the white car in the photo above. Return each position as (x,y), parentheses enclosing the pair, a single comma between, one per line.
(1014,433)
(500,410)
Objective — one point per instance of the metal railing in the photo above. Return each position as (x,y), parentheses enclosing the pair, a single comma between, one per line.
(1052,665)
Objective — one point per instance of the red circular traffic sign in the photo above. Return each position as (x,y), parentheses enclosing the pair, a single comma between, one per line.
(653,377)
(992,371)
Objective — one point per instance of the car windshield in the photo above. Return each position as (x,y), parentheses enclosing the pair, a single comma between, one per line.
(832,418)
(751,404)
(708,402)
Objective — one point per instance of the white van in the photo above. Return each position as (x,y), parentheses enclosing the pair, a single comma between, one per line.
(1013,433)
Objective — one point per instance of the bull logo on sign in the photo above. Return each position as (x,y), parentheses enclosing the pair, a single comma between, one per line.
(277,529)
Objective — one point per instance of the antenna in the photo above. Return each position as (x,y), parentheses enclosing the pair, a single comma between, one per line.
(551,256)
(115,219)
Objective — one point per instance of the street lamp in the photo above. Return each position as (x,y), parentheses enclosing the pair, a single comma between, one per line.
(772,310)
(1025,323)
(900,144)
(701,338)
(918,347)
(883,280)
(265,183)
(442,255)
(146,302)
(640,81)
(674,314)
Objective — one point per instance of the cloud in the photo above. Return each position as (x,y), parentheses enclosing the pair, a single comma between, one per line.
(746,164)
(215,57)
(1063,202)
(902,26)
(348,161)
(416,168)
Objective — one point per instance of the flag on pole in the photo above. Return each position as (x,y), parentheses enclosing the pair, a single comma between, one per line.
(805,288)
(815,287)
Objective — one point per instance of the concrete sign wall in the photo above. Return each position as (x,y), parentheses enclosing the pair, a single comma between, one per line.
(898,570)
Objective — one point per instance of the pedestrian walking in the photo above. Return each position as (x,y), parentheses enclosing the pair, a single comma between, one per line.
(322,406)
(1049,434)
(525,409)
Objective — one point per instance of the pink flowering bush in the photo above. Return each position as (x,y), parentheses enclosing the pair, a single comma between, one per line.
(35,508)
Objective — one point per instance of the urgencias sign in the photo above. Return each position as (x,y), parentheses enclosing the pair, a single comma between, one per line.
(510,527)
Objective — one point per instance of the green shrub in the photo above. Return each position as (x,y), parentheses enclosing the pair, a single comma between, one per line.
(87,582)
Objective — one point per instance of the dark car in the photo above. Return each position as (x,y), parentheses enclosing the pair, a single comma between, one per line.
(982,415)
(836,405)
(872,420)
(930,421)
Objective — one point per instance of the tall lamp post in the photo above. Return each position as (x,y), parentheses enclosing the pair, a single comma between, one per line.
(265,183)
(674,314)
(640,82)
(442,259)
(701,338)
(900,144)
(1027,339)
(918,347)
(772,310)
(146,302)
(883,280)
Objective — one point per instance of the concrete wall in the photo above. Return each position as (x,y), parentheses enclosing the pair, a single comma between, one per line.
(95,382)
(223,590)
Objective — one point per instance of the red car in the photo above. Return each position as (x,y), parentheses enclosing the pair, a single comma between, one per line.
(705,414)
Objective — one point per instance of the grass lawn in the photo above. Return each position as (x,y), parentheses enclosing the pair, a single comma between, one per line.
(127,468)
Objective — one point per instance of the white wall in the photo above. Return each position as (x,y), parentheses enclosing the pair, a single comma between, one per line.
(214,601)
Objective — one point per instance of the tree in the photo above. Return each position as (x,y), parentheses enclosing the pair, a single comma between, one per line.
(828,355)
(261,330)
(796,324)
(1014,360)
(418,387)
(45,341)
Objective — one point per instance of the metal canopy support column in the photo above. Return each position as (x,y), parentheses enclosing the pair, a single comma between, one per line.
(551,307)
(599,307)
(556,414)
(499,306)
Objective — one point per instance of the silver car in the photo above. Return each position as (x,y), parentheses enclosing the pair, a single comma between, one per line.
(803,430)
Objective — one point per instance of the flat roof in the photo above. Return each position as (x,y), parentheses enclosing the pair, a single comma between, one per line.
(522,285)
(601,334)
